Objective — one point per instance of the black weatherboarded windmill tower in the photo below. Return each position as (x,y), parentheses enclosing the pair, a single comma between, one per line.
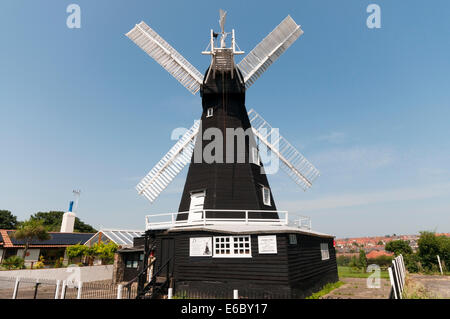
(228,233)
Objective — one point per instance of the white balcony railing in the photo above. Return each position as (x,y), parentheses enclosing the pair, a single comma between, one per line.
(209,217)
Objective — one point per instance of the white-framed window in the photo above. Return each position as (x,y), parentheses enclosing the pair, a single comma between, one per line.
(324,251)
(255,156)
(232,246)
(209,112)
(266,195)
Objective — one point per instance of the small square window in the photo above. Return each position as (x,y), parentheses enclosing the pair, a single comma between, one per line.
(266,196)
(209,112)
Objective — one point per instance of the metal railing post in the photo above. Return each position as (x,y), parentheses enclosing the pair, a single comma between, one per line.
(80,287)
(63,289)
(173,219)
(246,217)
(286,221)
(16,288)
(170,293)
(36,287)
(119,291)
(58,285)
(235,294)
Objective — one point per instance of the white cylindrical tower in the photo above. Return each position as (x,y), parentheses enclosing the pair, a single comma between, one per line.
(68,221)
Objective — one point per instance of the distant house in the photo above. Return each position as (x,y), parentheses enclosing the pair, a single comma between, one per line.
(52,249)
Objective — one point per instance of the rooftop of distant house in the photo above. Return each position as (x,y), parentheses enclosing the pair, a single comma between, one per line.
(56,240)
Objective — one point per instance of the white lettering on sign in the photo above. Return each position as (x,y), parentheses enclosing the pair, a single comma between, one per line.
(267,244)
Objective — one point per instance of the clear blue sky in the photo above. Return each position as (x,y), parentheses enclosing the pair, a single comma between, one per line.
(86,108)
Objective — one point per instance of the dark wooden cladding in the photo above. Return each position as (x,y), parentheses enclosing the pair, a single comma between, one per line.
(298,268)
(228,184)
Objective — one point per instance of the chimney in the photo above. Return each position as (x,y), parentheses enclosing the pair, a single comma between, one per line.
(68,221)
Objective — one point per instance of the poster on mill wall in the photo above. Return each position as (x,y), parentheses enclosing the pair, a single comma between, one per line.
(200,247)
(267,244)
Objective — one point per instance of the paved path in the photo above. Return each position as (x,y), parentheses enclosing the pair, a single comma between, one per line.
(436,285)
(356,288)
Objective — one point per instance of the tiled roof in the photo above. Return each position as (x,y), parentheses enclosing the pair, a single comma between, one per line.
(378,253)
(56,240)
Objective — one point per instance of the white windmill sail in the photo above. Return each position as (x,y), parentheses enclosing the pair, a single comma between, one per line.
(163,53)
(169,166)
(269,50)
(292,162)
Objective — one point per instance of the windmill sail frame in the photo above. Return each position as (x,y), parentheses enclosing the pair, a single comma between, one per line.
(269,50)
(163,53)
(292,161)
(169,166)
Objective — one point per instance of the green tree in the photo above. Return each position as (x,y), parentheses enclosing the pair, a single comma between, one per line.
(53,220)
(362,261)
(7,220)
(398,247)
(30,230)
(430,246)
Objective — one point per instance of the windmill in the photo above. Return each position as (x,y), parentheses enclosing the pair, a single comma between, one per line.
(216,111)
(226,192)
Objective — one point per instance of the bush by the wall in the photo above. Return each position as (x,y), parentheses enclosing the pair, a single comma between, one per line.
(13,262)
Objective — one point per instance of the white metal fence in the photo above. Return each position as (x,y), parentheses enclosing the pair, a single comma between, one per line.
(29,288)
(397,276)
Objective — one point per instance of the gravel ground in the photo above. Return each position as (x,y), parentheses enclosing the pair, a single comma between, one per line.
(356,288)
(437,285)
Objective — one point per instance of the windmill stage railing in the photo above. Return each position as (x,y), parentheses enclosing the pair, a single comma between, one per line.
(242,217)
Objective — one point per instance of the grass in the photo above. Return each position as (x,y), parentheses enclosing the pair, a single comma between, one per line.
(325,290)
(349,272)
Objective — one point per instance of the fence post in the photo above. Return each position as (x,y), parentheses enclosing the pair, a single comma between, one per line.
(63,290)
(16,288)
(399,277)
(392,280)
(36,287)
(440,266)
(119,291)
(170,293)
(235,294)
(80,286)
(58,285)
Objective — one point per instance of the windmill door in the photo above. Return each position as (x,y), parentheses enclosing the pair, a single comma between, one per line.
(166,261)
(196,207)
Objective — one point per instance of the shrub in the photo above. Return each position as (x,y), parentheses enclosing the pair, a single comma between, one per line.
(75,251)
(59,263)
(13,262)
(382,261)
(343,260)
(412,263)
(106,251)
(39,264)
(430,246)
